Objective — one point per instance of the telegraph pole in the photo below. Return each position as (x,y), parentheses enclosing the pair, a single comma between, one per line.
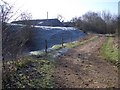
(47,15)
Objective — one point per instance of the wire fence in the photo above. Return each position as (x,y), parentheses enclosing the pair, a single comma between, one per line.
(61,41)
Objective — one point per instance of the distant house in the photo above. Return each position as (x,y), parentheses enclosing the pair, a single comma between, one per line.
(41,22)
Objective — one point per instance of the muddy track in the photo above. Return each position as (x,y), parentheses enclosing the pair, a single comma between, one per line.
(83,67)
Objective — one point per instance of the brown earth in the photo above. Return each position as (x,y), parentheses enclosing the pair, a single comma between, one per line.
(83,67)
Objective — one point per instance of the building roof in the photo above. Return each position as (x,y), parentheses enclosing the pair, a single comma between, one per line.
(41,22)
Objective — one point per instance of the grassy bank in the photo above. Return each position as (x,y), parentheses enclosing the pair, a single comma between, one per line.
(109,52)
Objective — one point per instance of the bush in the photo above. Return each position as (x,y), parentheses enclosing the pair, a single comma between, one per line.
(14,41)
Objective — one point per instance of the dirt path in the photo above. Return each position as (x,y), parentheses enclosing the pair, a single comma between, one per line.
(82,67)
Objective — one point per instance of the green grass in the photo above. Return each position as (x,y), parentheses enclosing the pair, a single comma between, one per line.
(57,47)
(45,67)
(109,52)
(77,43)
(37,53)
(73,44)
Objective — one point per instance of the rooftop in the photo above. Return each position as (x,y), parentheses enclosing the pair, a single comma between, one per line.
(41,22)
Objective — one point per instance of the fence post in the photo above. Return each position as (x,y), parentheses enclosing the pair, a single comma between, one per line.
(46,46)
(62,42)
(71,38)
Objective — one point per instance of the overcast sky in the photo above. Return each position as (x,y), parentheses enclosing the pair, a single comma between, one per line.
(67,8)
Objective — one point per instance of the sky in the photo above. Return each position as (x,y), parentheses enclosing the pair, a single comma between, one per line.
(67,8)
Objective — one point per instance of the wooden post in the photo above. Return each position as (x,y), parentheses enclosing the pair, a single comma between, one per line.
(46,46)
(62,42)
(71,39)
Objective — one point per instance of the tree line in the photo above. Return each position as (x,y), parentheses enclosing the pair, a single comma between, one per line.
(103,23)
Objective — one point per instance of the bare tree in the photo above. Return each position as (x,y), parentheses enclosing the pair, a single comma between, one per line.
(60,17)
(6,11)
(25,16)
(11,40)
(97,22)
(110,20)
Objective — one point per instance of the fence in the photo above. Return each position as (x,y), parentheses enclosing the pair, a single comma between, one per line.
(45,42)
(61,42)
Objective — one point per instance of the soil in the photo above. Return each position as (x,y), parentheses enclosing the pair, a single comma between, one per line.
(83,67)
